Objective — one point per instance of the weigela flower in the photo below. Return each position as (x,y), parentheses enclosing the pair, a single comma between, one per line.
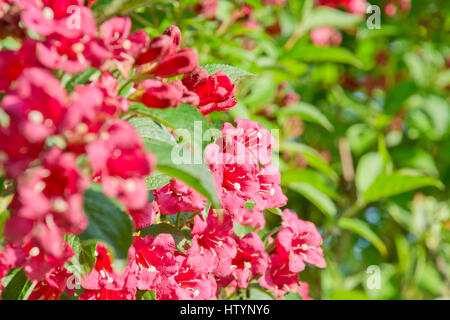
(12,63)
(119,41)
(213,247)
(143,217)
(279,278)
(216,92)
(235,176)
(119,160)
(299,242)
(303,290)
(253,136)
(12,256)
(178,197)
(326,36)
(37,105)
(104,283)
(53,286)
(41,265)
(192,284)
(181,62)
(156,265)
(352,6)
(207,8)
(52,194)
(68,18)
(251,259)
(161,46)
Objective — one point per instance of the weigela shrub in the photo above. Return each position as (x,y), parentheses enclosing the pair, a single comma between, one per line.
(63,136)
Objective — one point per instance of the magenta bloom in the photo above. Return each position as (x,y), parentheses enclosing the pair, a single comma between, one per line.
(216,92)
(156,265)
(251,259)
(37,106)
(326,36)
(121,163)
(104,283)
(213,247)
(178,197)
(279,278)
(299,242)
(193,284)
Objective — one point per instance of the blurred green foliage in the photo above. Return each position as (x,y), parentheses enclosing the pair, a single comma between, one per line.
(365,154)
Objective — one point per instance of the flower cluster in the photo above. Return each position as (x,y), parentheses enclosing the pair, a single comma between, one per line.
(57,138)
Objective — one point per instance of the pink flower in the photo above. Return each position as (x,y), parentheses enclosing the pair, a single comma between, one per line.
(178,197)
(37,106)
(253,136)
(121,163)
(212,248)
(251,259)
(352,6)
(216,92)
(303,290)
(326,36)
(40,265)
(116,37)
(11,257)
(12,63)
(207,8)
(235,176)
(143,217)
(162,46)
(160,95)
(194,285)
(279,278)
(181,62)
(66,17)
(156,265)
(53,286)
(104,283)
(299,242)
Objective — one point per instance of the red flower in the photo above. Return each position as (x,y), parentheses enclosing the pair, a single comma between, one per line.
(194,285)
(216,92)
(103,283)
(251,259)
(212,248)
(37,106)
(12,63)
(116,37)
(178,197)
(53,286)
(299,242)
(156,265)
(121,163)
(279,278)
(182,61)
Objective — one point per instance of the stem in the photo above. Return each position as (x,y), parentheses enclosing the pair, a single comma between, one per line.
(177,223)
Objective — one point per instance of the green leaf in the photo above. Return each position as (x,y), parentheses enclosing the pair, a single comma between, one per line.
(362,229)
(108,223)
(16,286)
(235,74)
(307,112)
(156,229)
(157,181)
(81,78)
(310,53)
(175,160)
(324,16)
(397,96)
(312,177)
(369,167)
(311,156)
(397,183)
(318,198)
(185,120)
(241,230)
